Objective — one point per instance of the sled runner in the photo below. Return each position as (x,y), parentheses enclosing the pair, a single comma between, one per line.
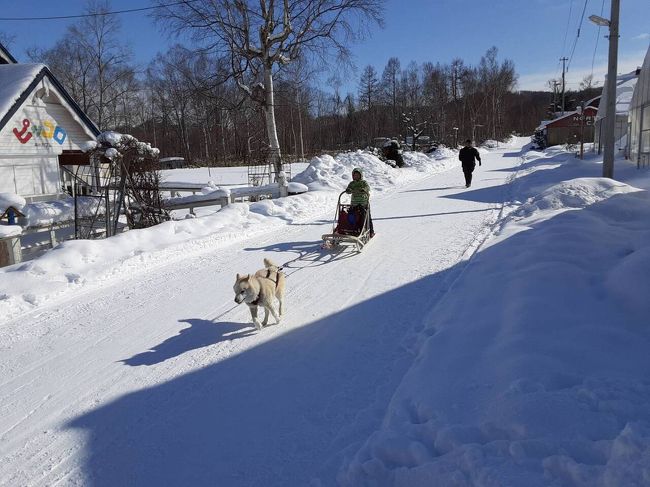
(350,228)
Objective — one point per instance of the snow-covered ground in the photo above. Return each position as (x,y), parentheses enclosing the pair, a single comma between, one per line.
(496,335)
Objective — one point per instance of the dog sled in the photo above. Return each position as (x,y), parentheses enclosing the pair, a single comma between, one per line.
(351,227)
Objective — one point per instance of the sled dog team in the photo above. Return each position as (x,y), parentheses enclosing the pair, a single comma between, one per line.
(263,287)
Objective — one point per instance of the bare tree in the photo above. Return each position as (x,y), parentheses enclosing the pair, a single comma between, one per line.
(6,39)
(98,36)
(456,71)
(390,87)
(93,64)
(436,95)
(261,36)
(368,88)
(167,76)
(495,80)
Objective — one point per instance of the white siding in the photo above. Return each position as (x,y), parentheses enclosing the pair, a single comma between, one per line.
(30,176)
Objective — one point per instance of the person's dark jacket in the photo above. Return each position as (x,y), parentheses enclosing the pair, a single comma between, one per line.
(391,152)
(467,156)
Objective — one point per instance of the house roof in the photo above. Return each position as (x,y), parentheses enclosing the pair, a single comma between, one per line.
(594,102)
(5,56)
(642,90)
(18,81)
(625,84)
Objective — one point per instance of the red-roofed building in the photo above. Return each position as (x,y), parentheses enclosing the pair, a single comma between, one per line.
(571,127)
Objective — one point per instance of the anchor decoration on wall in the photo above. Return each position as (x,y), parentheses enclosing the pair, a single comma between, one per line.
(20,134)
(48,131)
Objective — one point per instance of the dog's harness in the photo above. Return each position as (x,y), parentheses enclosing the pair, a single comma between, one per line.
(268,276)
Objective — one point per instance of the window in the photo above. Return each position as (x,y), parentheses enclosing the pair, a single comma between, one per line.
(644,146)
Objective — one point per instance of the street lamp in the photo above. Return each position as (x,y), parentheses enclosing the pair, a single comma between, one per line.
(610,94)
(598,20)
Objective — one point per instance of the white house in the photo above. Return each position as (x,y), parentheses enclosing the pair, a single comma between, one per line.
(41,129)
(639,117)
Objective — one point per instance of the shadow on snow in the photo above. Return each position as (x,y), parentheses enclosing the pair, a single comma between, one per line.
(201,333)
(271,415)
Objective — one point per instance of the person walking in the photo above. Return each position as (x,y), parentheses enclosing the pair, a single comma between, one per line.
(468,156)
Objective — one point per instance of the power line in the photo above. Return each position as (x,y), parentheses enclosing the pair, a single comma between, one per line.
(566,32)
(568,22)
(97,14)
(593,59)
(575,42)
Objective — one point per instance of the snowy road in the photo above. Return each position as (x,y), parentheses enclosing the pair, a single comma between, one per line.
(159,381)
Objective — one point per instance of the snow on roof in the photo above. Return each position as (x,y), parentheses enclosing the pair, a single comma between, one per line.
(594,102)
(14,80)
(625,84)
(11,199)
(561,117)
(5,56)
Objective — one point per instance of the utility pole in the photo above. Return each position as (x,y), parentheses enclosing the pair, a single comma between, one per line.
(564,60)
(610,93)
(610,117)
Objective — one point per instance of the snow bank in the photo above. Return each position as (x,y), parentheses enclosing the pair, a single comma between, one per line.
(207,194)
(59,211)
(573,194)
(533,369)
(327,172)
(10,231)
(294,187)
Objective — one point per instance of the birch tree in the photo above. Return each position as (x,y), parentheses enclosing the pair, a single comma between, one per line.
(261,36)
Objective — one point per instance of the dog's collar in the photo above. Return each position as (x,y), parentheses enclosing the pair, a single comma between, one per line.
(257,300)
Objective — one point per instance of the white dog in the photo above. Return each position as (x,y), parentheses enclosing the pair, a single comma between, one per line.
(260,289)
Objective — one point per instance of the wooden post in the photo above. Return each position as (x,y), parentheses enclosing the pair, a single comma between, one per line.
(582,129)
(10,251)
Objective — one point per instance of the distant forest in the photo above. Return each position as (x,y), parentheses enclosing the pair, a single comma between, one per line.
(186,103)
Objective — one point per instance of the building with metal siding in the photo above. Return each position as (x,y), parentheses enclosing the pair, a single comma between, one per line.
(625,84)
(639,117)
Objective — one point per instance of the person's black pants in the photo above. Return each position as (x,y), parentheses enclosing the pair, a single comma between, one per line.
(362,215)
(467,171)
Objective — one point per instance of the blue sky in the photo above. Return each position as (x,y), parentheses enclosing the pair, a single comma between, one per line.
(535,34)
